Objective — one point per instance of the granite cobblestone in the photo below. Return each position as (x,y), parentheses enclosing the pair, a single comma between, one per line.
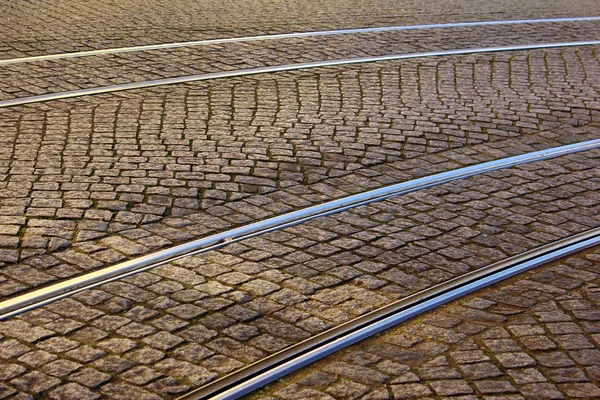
(79,73)
(93,181)
(211,314)
(111,221)
(519,354)
(43,26)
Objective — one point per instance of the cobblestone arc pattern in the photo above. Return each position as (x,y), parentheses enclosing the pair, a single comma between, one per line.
(47,26)
(90,254)
(161,333)
(141,171)
(534,337)
(44,77)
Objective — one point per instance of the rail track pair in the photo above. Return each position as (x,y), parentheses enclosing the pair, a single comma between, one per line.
(273,367)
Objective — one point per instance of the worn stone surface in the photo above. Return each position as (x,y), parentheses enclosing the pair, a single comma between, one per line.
(74,27)
(93,181)
(175,328)
(477,366)
(256,147)
(81,73)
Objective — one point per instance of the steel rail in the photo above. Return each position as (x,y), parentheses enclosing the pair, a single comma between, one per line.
(255,376)
(293,35)
(280,68)
(57,291)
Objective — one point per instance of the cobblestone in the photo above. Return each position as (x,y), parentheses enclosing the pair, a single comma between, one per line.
(26,30)
(211,314)
(106,234)
(79,73)
(476,365)
(89,182)
(98,254)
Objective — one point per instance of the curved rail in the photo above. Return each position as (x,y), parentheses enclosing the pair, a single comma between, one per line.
(43,296)
(280,68)
(208,42)
(297,356)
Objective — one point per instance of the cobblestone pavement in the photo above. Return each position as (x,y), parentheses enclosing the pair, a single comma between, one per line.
(157,166)
(533,337)
(124,238)
(89,182)
(160,333)
(28,79)
(49,26)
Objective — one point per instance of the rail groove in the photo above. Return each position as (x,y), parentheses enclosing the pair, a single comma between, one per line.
(39,297)
(256,375)
(293,35)
(280,68)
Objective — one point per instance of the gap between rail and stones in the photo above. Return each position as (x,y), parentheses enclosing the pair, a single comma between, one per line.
(281,68)
(208,42)
(265,371)
(46,295)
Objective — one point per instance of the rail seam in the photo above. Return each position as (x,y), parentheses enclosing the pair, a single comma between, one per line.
(257,375)
(292,35)
(280,68)
(39,297)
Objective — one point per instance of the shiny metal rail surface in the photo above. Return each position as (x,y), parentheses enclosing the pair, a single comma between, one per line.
(208,42)
(280,68)
(295,357)
(43,296)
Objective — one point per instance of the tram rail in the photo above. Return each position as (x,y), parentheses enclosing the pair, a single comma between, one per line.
(40,297)
(259,374)
(293,35)
(275,366)
(281,68)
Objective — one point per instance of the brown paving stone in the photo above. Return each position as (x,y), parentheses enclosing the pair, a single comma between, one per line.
(258,313)
(518,373)
(72,391)
(34,382)
(159,226)
(195,60)
(100,25)
(132,179)
(90,377)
